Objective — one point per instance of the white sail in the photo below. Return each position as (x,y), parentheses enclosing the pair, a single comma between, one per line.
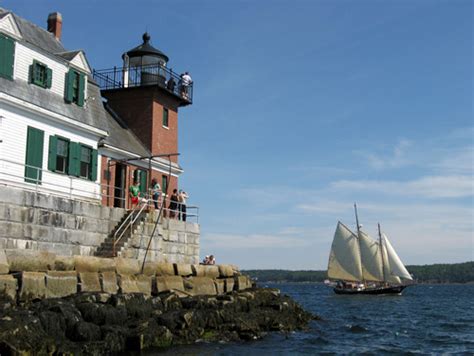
(344,259)
(372,267)
(389,277)
(394,264)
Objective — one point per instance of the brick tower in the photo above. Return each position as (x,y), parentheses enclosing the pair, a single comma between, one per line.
(146,94)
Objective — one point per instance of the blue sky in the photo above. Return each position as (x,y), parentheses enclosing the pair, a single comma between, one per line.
(302,108)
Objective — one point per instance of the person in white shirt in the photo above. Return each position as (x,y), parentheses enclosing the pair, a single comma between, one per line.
(183,196)
(186,82)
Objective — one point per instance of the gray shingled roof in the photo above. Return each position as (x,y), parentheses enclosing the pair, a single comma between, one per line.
(93,113)
(36,35)
(68,55)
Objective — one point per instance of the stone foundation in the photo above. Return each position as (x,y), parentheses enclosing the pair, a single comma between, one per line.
(40,222)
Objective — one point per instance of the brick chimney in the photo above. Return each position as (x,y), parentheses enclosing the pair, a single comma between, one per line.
(55,24)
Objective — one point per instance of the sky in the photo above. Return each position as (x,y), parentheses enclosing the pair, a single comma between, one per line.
(302,108)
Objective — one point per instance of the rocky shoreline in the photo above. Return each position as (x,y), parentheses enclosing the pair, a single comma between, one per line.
(100,323)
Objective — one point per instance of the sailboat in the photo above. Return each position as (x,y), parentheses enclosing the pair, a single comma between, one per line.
(359,264)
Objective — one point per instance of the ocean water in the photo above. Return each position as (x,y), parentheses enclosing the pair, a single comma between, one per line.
(427,319)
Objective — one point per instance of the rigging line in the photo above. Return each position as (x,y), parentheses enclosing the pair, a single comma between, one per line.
(358,242)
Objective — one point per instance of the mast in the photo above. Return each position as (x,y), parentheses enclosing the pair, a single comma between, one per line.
(358,240)
(381,252)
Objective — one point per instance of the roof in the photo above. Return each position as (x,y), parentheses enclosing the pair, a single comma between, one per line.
(146,48)
(36,35)
(68,55)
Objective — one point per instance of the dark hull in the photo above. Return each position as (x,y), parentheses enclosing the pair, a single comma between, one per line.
(372,291)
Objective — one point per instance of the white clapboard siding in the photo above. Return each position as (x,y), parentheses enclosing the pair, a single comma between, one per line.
(14,128)
(24,58)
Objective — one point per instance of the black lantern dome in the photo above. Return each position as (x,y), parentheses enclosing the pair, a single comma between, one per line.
(145,54)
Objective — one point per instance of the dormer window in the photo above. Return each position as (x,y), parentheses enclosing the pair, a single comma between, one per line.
(41,75)
(75,87)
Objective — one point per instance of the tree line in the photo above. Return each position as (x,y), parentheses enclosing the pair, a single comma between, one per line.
(436,273)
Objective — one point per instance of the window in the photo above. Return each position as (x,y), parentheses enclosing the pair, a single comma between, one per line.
(164,184)
(34,155)
(40,74)
(165,117)
(62,154)
(75,87)
(7,56)
(85,162)
(72,158)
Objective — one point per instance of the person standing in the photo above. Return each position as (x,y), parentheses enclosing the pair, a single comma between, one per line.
(173,207)
(156,191)
(134,192)
(183,196)
(186,82)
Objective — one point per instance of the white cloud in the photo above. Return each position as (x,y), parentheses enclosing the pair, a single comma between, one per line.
(397,158)
(455,186)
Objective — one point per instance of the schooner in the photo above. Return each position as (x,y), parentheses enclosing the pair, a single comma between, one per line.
(359,264)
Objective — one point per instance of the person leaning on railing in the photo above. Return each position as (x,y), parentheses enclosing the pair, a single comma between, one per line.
(173,207)
(156,191)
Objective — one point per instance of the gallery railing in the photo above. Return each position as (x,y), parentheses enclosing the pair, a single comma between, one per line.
(33,178)
(145,75)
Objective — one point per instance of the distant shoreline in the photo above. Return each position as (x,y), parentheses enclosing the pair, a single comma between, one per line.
(456,273)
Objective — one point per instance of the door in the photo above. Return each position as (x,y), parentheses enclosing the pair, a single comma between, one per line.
(119,189)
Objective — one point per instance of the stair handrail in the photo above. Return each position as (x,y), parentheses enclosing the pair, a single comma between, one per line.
(129,221)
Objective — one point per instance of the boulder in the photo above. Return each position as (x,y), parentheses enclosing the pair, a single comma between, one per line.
(61,283)
(93,264)
(182,269)
(8,286)
(225,271)
(165,269)
(33,286)
(229,285)
(201,286)
(128,266)
(128,284)
(29,260)
(150,268)
(220,286)
(198,270)
(169,283)
(242,283)
(4,268)
(64,263)
(89,282)
(109,282)
(144,284)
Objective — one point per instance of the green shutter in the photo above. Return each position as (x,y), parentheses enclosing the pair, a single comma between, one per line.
(69,86)
(32,69)
(74,159)
(49,77)
(143,180)
(34,155)
(82,85)
(52,155)
(94,166)
(7,56)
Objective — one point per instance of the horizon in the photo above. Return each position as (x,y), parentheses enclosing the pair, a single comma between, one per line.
(301,109)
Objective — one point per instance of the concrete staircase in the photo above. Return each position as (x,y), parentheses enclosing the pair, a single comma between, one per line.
(106,249)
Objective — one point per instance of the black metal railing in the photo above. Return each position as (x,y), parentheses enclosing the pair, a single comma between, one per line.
(136,76)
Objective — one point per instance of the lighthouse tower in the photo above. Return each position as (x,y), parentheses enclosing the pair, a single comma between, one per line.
(147,94)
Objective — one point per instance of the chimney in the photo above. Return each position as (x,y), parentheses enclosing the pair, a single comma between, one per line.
(55,24)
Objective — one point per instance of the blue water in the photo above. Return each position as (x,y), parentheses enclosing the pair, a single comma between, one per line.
(427,319)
